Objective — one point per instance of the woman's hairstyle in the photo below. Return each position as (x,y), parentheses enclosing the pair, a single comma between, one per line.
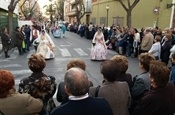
(145,59)
(111,70)
(6,83)
(36,63)
(168,36)
(17,28)
(158,38)
(159,72)
(136,31)
(76,63)
(3,29)
(122,60)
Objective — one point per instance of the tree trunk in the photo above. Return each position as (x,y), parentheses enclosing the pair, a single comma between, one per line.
(10,21)
(129,18)
(78,19)
(10,27)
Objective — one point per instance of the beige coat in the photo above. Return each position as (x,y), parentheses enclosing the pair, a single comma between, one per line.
(147,42)
(117,94)
(20,104)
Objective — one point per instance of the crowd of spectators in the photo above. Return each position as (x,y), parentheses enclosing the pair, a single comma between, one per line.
(152,92)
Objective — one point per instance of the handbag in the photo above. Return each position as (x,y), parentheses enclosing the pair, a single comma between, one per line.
(23,44)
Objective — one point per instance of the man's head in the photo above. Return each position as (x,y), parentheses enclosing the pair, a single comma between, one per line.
(76,82)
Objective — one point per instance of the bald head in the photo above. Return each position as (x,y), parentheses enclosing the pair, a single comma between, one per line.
(76,81)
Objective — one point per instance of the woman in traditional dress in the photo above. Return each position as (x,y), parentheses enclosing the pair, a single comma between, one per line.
(99,50)
(46,46)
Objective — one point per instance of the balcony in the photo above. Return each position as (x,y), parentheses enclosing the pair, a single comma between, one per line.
(71,13)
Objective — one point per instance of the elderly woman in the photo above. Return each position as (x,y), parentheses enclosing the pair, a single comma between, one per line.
(160,100)
(156,47)
(115,92)
(165,50)
(13,103)
(39,84)
(124,66)
(62,96)
(141,83)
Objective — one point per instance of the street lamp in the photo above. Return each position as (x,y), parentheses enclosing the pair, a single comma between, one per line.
(107,9)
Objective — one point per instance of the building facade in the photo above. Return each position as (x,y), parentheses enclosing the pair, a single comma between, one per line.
(70,11)
(147,13)
(4,14)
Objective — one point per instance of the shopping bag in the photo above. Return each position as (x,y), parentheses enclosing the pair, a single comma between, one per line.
(23,44)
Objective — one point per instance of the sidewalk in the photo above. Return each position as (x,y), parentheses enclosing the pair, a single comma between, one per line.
(1,51)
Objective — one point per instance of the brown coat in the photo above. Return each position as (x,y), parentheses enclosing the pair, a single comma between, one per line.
(19,38)
(158,101)
(117,94)
(147,42)
(20,104)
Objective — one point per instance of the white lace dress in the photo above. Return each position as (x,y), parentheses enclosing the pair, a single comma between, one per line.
(99,51)
(46,47)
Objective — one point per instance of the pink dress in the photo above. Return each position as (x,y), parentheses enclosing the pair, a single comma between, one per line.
(99,51)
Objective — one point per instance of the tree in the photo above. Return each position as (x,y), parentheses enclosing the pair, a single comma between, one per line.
(28,9)
(60,8)
(11,8)
(129,10)
(79,9)
(50,10)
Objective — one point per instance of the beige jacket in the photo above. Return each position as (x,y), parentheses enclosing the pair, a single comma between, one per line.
(20,104)
(147,42)
(117,94)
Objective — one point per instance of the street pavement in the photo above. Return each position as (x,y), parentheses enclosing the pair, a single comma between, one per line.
(72,46)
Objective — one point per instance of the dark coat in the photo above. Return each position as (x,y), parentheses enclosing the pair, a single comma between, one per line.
(165,51)
(87,106)
(19,38)
(5,40)
(158,101)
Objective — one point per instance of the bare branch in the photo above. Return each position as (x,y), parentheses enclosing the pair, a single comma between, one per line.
(129,4)
(21,7)
(14,5)
(33,7)
(134,4)
(123,5)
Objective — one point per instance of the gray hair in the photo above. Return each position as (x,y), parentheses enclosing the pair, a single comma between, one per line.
(76,80)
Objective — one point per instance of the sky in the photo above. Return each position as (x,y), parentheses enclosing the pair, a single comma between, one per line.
(43,3)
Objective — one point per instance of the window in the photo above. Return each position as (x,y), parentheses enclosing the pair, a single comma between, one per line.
(93,20)
(66,9)
(102,20)
(118,21)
